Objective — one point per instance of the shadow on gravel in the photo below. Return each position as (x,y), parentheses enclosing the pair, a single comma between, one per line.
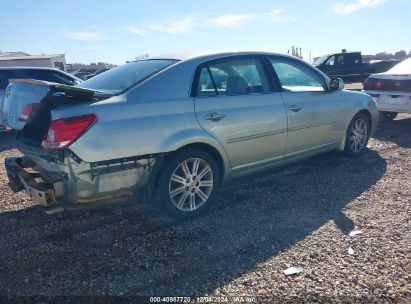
(397,131)
(133,251)
(6,141)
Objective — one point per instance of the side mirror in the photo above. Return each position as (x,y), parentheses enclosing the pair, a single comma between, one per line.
(336,84)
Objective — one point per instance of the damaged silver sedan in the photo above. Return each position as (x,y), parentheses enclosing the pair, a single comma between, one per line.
(171,130)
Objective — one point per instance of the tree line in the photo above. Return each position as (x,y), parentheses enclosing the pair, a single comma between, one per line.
(385,55)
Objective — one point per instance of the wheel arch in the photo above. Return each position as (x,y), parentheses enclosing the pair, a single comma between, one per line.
(218,153)
(208,148)
(366,113)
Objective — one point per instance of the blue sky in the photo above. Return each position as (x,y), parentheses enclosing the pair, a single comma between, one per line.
(116,31)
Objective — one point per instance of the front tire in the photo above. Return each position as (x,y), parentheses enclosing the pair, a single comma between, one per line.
(357,135)
(187,184)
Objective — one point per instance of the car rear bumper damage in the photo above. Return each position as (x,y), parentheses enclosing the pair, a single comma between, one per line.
(72,184)
(20,179)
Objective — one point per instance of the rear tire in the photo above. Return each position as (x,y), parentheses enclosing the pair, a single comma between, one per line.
(187,184)
(357,135)
(388,116)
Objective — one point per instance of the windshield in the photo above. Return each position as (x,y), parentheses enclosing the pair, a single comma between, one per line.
(403,67)
(123,77)
(321,60)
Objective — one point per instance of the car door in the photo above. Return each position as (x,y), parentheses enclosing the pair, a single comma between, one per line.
(315,117)
(235,103)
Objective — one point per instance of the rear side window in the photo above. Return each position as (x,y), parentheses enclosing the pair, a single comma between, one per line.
(61,78)
(49,75)
(294,76)
(206,85)
(232,77)
(340,59)
(5,75)
(46,75)
(351,59)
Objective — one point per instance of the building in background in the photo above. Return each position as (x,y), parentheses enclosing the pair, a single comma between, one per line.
(13,59)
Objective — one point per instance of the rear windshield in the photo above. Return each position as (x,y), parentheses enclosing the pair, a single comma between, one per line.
(403,67)
(123,77)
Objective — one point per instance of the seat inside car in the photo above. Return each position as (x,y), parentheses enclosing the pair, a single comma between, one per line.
(236,85)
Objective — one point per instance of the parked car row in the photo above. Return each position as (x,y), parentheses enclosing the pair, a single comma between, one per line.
(173,129)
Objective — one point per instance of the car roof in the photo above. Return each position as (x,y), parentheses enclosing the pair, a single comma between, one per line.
(211,54)
(340,53)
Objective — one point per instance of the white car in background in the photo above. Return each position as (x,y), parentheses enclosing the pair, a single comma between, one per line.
(391,90)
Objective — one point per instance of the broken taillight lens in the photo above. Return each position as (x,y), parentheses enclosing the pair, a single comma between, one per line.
(63,132)
(27,110)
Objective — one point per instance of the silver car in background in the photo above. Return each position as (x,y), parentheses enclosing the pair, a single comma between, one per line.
(173,129)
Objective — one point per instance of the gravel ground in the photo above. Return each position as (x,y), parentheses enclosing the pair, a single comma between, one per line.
(295,216)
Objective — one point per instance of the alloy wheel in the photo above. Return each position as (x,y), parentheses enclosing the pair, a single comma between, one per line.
(358,135)
(191,184)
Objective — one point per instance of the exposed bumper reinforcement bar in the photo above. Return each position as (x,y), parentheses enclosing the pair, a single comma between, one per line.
(20,179)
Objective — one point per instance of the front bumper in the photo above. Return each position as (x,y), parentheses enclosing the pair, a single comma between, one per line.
(20,179)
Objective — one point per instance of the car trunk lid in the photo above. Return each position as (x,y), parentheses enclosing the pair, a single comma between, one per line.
(26,100)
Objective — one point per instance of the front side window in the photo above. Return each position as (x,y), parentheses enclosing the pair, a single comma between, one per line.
(294,76)
(330,61)
(232,77)
(125,76)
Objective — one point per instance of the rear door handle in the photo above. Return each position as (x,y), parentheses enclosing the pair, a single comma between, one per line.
(294,108)
(214,116)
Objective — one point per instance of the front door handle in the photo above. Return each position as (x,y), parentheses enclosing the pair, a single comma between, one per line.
(294,108)
(214,116)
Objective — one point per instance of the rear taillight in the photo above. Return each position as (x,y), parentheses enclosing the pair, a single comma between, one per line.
(27,110)
(379,85)
(368,84)
(63,132)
